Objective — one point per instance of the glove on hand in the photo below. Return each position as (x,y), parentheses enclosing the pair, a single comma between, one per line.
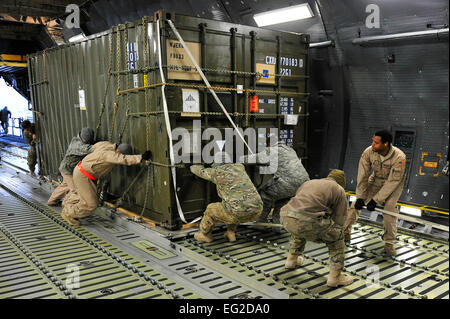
(147,155)
(371,205)
(359,203)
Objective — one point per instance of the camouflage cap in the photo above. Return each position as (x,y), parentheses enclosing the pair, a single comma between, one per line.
(125,149)
(87,134)
(338,176)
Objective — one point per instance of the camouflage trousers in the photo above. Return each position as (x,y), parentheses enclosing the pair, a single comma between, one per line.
(216,213)
(83,201)
(271,200)
(390,222)
(316,229)
(62,190)
(32,158)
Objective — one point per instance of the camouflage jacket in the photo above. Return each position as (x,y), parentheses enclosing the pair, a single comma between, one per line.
(237,191)
(76,151)
(28,136)
(290,173)
(316,198)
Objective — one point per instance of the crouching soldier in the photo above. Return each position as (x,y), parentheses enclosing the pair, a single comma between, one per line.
(79,147)
(241,202)
(317,213)
(277,190)
(104,157)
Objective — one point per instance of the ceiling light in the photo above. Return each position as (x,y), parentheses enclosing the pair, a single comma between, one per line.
(77,37)
(301,11)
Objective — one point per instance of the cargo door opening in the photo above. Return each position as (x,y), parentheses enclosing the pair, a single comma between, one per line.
(14,109)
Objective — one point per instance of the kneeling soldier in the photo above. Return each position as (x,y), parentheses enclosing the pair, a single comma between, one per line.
(96,165)
(241,202)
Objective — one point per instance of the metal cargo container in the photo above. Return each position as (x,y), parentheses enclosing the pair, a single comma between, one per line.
(112,82)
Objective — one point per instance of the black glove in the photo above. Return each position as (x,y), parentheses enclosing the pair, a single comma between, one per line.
(147,155)
(371,205)
(359,204)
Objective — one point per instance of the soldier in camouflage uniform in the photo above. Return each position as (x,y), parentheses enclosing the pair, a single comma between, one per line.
(79,147)
(29,133)
(276,190)
(241,202)
(317,213)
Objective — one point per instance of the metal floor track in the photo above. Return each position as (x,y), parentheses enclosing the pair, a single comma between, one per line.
(118,258)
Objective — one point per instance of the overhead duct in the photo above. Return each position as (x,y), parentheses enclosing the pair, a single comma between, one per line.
(438,34)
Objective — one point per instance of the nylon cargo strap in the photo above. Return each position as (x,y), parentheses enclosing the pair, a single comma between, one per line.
(199,70)
(169,130)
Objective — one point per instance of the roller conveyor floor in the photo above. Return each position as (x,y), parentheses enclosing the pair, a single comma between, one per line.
(115,257)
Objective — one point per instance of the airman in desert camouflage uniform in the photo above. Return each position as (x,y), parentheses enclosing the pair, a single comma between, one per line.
(78,148)
(241,202)
(104,157)
(317,213)
(382,186)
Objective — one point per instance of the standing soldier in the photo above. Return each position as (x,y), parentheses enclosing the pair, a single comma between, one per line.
(29,133)
(241,202)
(5,115)
(79,147)
(381,187)
(317,213)
(280,187)
(103,158)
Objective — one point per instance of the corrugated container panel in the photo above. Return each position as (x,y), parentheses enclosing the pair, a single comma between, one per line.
(111,82)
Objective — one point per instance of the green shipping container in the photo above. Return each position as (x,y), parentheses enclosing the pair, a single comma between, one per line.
(112,82)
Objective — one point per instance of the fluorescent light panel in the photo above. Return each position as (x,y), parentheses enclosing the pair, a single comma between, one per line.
(411,211)
(301,11)
(77,37)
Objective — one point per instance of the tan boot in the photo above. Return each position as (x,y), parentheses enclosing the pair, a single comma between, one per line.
(231,235)
(69,220)
(202,237)
(347,237)
(336,279)
(390,250)
(293,260)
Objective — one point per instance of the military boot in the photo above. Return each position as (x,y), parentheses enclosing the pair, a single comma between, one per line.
(202,237)
(390,250)
(336,279)
(231,235)
(347,237)
(70,220)
(293,260)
